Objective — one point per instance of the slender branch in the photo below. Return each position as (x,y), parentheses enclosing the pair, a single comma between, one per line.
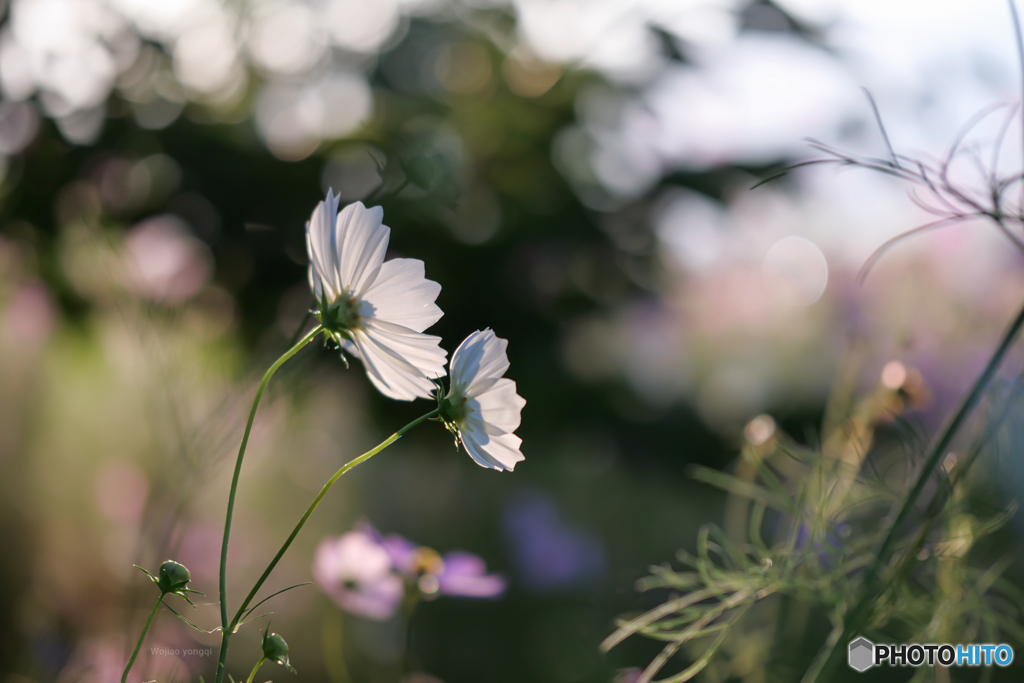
(1020,62)
(256,668)
(234,487)
(142,636)
(1006,231)
(877,254)
(997,147)
(312,506)
(881,127)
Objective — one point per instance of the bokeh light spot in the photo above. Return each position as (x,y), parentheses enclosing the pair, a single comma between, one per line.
(797,269)
(894,374)
(760,429)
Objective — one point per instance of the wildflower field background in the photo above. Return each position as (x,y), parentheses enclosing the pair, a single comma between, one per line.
(577,175)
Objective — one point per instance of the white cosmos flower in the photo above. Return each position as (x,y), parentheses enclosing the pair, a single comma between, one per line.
(375,310)
(482,407)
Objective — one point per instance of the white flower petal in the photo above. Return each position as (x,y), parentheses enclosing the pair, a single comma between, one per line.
(362,240)
(494,452)
(480,457)
(320,243)
(480,357)
(315,284)
(423,351)
(500,406)
(466,359)
(475,425)
(401,294)
(398,361)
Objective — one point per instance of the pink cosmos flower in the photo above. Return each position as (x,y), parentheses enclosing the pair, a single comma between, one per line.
(356,572)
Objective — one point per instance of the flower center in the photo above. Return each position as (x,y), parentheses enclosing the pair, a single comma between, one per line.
(341,314)
(428,566)
(427,561)
(454,408)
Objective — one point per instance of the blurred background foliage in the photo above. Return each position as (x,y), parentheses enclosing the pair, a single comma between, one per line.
(576,175)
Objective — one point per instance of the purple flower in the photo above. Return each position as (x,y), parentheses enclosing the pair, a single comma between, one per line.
(464,575)
(550,553)
(356,572)
(400,549)
(457,573)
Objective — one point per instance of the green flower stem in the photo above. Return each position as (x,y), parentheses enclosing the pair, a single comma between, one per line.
(229,628)
(142,637)
(256,668)
(332,647)
(234,487)
(874,584)
(316,501)
(409,603)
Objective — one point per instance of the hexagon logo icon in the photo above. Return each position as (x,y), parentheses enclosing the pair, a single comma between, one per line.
(862,654)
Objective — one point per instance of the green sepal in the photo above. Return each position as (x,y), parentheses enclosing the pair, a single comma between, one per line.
(198,628)
(148,573)
(249,621)
(181,594)
(444,413)
(272,595)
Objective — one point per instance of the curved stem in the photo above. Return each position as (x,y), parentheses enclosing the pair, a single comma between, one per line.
(234,487)
(142,636)
(295,337)
(256,668)
(332,647)
(412,598)
(874,583)
(316,501)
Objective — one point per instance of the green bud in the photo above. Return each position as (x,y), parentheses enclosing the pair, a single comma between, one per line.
(174,577)
(276,649)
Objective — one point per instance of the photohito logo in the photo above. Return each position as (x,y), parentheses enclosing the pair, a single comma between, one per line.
(863,654)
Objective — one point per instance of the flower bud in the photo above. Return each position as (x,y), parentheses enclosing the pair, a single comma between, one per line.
(276,649)
(174,577)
